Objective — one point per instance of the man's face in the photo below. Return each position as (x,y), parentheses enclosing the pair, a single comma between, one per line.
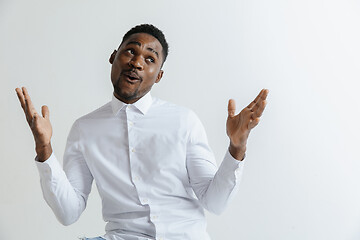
(136,66)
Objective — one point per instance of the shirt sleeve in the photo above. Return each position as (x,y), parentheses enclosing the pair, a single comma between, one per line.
(66,189)
(214,187)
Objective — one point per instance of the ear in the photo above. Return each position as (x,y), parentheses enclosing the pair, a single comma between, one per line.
(112,57)
(159,76)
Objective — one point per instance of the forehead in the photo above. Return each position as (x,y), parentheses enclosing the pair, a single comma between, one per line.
(145,40)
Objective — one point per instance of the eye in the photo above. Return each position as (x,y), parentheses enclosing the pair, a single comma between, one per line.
(150,59)
(131,51)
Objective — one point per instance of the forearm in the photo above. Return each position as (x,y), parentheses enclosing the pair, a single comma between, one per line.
(216,193)
(65,201)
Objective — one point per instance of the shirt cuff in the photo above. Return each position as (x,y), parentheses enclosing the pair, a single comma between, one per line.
(50,168)
(231,166)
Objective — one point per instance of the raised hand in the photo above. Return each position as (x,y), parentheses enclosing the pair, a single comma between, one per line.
(238,127)
(39,125)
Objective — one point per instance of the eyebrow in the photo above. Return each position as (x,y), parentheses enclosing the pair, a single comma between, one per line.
(139,44)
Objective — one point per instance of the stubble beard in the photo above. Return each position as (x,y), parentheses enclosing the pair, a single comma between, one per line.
(129,96)
(123,95)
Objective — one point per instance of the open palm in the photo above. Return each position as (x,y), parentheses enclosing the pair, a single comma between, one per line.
(238,127)
(39,125)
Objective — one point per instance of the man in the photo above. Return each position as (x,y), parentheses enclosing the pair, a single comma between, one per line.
(150,159)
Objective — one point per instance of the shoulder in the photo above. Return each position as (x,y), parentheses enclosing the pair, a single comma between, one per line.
(170,108)
(182,115)
(105,111)
(91,120)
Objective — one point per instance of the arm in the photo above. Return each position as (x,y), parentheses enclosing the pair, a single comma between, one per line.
(66,194)
(215,187)
(66,191)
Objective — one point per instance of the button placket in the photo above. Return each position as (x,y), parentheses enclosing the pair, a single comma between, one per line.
(154,217)
(136,178)
(132,119)
(131,116)
(144,200)
(131,123)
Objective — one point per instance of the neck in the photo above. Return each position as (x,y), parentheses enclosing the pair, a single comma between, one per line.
(125,100)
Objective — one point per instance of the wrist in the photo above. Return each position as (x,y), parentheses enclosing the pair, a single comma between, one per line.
(237,152)
(43,152)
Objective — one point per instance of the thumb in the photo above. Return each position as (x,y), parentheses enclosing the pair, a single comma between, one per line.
(45,111)
(231,108)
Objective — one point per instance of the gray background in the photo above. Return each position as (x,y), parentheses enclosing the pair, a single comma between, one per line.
(301,179)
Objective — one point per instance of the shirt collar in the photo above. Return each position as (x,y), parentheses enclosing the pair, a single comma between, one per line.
(143,104)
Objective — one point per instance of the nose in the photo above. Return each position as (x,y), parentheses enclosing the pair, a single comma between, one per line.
(137,63)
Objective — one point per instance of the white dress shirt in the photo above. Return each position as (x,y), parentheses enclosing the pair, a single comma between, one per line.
(153,169)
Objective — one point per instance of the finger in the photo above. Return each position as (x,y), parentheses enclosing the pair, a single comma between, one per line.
(261,96)
(253,103)
(21,97)
(265,94)
(253,123)
(28,103)
(231,108)
(259,109)
(45,111)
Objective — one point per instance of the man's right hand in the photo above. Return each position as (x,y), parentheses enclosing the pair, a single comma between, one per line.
(40,125)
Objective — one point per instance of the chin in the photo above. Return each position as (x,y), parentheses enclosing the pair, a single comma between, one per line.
(127,96)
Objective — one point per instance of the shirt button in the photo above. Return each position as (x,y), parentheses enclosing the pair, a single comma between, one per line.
(153,217)
(133,149)
(145,200)
(136,178)
(131,123)
(161,238)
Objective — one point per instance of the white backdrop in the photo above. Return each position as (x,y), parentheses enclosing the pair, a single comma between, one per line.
(301,179)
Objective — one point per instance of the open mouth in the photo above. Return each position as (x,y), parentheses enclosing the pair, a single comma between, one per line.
(131,77)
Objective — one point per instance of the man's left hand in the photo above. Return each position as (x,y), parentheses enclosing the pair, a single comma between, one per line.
(238,127)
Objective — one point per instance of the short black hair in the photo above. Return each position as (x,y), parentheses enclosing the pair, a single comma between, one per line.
(153,31)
